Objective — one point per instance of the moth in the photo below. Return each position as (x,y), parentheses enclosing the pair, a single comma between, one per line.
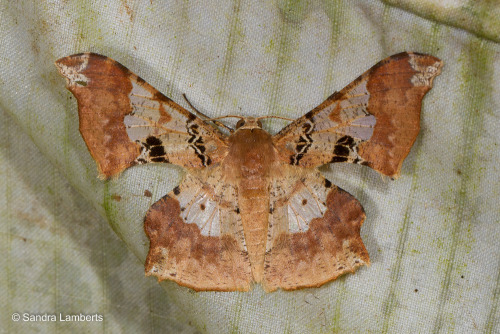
(252,207)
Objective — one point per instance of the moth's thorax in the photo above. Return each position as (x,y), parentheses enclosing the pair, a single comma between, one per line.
(251,154)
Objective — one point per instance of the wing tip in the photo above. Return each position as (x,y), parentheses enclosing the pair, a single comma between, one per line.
(72,68)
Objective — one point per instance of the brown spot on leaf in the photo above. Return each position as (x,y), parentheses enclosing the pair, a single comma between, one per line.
(128,10)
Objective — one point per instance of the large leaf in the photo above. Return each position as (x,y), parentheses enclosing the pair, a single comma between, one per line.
(432,234)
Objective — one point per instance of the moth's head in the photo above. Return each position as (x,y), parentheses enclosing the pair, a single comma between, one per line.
(249,123)
(245,123)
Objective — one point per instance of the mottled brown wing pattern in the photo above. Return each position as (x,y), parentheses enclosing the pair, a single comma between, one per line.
(125,121)
(314,231)
(196,235)
(373,121)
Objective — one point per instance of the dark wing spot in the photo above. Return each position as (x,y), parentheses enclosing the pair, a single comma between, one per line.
(153,141)
(177,191)
(237,210)
(157,151)
(304,201)
(328,184)
(341,150)
(202,207)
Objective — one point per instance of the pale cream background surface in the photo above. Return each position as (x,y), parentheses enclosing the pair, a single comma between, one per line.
(433,234)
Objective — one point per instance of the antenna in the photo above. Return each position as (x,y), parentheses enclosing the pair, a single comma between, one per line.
(227,116)
(205,118)
(278,117)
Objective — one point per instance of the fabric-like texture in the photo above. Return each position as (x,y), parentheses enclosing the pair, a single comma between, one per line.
(432,234)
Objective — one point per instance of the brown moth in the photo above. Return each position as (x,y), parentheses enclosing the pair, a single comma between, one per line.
(252,207)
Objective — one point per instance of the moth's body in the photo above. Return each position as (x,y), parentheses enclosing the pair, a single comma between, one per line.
(252,207)
(249,163)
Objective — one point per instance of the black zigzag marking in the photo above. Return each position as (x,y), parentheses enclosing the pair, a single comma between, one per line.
(303,144)
(196,142)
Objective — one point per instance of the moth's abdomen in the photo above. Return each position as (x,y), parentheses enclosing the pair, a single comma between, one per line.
(254,208)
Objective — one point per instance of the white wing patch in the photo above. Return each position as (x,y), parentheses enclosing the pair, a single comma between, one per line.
(425,74)
(303,206)
(297,197)
(199,206)
(353,118)
(73,74)
(143,103)
(354,105)
(207,200)
(151,117)
(360,128)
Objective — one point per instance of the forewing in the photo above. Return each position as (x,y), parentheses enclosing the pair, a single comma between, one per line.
(314,231)
(373,121)
(125,121)
(196,235)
